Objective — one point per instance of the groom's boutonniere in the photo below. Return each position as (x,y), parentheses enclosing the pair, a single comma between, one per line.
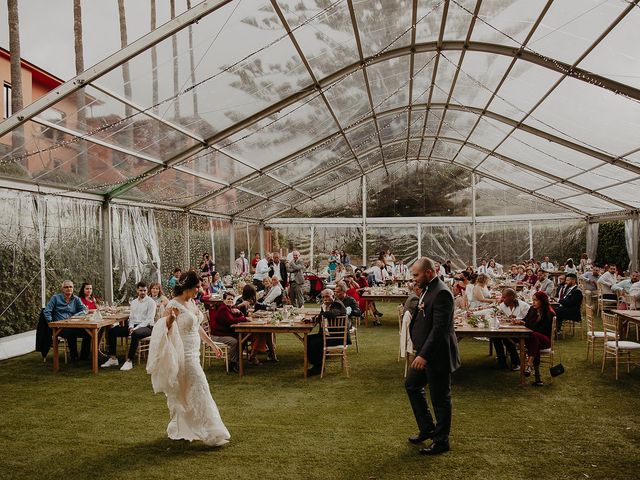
(421,306)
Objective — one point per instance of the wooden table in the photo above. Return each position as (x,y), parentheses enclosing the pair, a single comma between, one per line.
(626,316)
(508,331)
(92,327)
(245,329)
(386,297)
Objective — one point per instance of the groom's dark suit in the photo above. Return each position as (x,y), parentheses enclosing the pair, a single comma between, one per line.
(433,338)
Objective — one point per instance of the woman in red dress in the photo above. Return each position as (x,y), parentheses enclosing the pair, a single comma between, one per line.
(86,296)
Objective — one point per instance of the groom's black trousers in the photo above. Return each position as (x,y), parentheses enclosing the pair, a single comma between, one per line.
(439,381)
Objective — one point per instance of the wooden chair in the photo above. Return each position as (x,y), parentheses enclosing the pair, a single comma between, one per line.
(605,303)
(143,348)
(616,348)
(334,341)
(546,355)
(593,337)
(62,344)
(400,310)
(207,354)
(353,332)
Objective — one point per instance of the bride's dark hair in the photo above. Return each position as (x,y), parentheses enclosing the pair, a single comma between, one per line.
(186,281)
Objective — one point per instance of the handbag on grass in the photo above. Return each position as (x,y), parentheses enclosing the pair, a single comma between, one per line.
(557,369)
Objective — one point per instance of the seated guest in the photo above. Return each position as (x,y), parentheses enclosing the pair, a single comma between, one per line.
(174,278)
(221,331)
(439,269)
(520,275)
(378,273)
(570,302)
(591,279)
(156,294)
(204,290)
(513,272)
(570,267)
(246,300)
(513,309)
(274,292)
(634,292)
(448,268)
(480,295)
(530,278)
(217,287)
(340,273)
(330,308)
(547,265)
(539,318)
(352,307)
(86,296)
(607,280)
(483,267)
(65,305)
(353,291)
(460,285)
(544,284)
(139,326)
(560,287)
(625,285)
(492,269)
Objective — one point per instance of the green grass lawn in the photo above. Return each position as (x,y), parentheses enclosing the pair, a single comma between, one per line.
(75,425)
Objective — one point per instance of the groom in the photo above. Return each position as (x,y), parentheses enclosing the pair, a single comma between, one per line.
(436,347)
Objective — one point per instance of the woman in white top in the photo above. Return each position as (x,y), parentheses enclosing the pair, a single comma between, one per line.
(513,309)
(480,295)
(570,267)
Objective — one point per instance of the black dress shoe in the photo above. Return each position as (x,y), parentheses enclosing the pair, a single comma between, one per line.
(435,449)
(421,437)
(313,372)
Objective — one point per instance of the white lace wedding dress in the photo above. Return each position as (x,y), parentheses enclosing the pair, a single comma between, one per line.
(174,366)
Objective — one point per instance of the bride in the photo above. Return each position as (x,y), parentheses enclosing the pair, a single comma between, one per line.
(174,366)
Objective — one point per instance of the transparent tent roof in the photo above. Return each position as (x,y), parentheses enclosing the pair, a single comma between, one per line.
(282,108)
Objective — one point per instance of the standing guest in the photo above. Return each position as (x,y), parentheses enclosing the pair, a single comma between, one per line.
(139,326)
(174,278)
(436,347)
(389,260)
(607,280)
(155,292)
(402,271)
(295,269)
(254,262)
(544,283)
(547,265)
(207,265)
(330,308)
(174,366)
(570,302)
(217,286)
(344,258)
(86,296)
(279,269)
(483,267)
(220,324)
(539,318)
(513,309)
(261,271)
(585,262)
(333,260)
(241,266)
(570,267)
(65,305)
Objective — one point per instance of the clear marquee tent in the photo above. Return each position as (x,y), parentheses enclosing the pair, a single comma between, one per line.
(246,125)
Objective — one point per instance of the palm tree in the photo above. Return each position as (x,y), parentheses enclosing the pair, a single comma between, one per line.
(174,44)
(17,136)
(126,76)
(194,92)
(80,103)
(154,58)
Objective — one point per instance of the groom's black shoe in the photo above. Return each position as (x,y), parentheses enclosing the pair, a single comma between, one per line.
(421,437)
(435,448)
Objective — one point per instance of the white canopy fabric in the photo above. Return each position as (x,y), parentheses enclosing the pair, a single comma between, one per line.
(270,105)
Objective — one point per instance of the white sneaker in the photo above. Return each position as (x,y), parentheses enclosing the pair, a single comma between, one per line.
(126,366)
(112,362)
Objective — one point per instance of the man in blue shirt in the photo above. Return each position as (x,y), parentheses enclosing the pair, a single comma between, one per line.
(62,306)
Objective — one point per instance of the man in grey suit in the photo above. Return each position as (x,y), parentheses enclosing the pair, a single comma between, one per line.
(295,269)
(437,357)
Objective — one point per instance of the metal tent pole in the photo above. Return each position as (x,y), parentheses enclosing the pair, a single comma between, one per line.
(232,246)
(261,233)
(419,240)
(108,253)
(474,244)
(187,252)
(43,273)
(311,245)
(530,239)
(364,220)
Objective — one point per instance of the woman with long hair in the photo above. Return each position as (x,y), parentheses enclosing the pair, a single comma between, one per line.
(174,365)
(155,292)
(86,296)
(539,318)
